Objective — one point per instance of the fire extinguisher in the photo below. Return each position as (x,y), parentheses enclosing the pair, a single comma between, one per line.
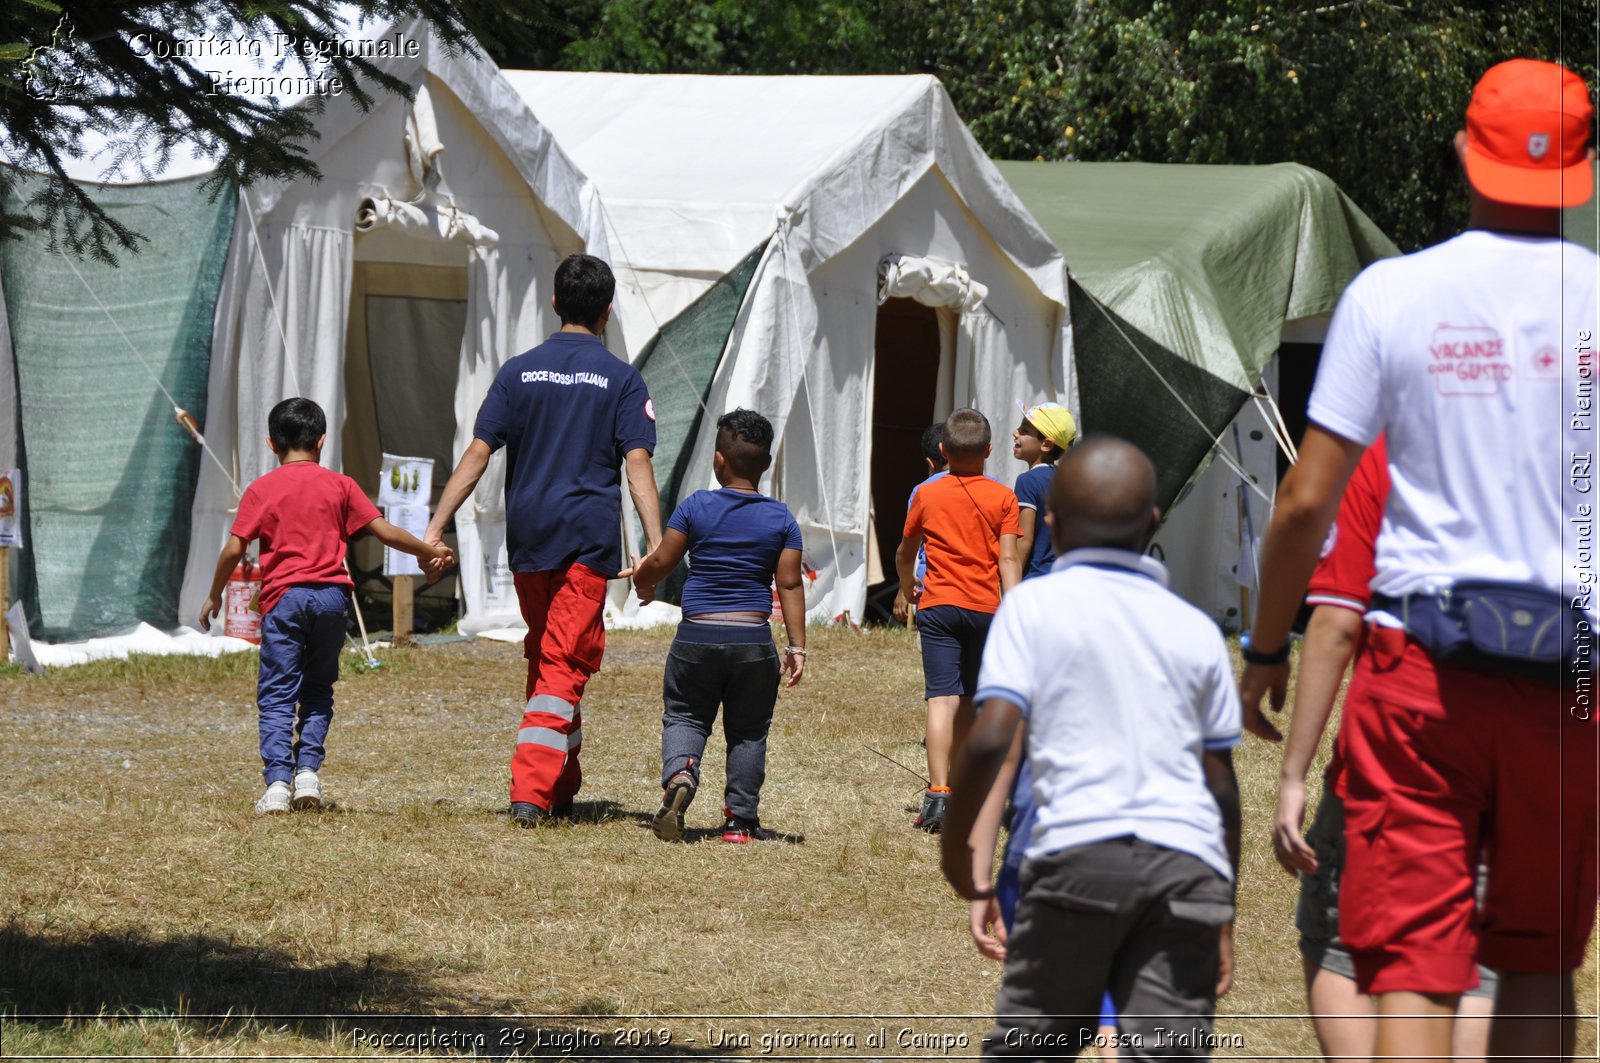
(242,609)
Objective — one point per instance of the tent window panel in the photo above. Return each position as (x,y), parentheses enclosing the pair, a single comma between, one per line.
(414,351)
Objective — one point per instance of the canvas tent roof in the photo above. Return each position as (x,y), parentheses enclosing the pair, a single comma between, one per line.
(1200,266)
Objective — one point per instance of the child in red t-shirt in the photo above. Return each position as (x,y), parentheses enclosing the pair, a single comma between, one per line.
(303,514)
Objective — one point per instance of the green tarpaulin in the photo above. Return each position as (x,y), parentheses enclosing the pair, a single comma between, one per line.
(1198,267)
(109,475)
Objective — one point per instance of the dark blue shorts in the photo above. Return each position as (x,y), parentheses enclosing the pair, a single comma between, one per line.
(952,649)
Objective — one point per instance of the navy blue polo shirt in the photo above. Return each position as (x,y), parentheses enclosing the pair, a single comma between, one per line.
(735,538)
(566,412)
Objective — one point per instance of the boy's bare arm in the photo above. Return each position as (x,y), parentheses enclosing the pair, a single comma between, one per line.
(972,777)
(462,482)
(1028,521)
(1331,639)
(659,564)
(646,499)
(438,555)
(792,597)
(232,552)
(987,929)
(1010,566)
(905,566)
(1224,787)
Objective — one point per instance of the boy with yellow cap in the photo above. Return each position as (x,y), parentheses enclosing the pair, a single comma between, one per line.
(1046,431)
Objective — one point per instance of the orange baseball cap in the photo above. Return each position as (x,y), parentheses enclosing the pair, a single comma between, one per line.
(1528,135)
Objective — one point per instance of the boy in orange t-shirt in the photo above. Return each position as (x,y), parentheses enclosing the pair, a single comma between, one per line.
(967,525)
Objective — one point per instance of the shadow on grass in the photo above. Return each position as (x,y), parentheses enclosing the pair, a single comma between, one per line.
(68,988)
(647,820)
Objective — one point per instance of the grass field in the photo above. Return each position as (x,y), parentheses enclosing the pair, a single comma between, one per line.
(147,912)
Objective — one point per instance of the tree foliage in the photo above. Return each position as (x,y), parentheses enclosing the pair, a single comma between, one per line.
(70,69)
(1368,91)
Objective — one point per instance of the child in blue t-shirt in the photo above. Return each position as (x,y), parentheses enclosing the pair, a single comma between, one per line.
(1046,431)
(738,540)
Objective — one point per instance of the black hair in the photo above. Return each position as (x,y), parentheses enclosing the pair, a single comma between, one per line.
(966,434)
(584,288)
(744,439)
(296,424)
(932,436)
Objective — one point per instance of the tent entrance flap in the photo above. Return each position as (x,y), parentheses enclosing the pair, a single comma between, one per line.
(907,368)
(402,369)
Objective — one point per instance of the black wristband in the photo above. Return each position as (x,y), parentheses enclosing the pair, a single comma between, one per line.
(1252,655)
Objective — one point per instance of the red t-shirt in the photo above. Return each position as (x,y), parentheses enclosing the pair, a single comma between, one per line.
(303,514)
(1344,575)
(960,520)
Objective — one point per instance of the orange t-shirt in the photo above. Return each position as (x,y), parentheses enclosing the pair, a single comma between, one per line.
(960,520)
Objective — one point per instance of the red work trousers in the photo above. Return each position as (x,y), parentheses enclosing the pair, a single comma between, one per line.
(566,640)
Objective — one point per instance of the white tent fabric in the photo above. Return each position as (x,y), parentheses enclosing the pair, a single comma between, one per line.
(833,174)
(930,282)
(513,206)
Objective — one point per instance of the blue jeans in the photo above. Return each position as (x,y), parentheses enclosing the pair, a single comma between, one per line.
(300,642)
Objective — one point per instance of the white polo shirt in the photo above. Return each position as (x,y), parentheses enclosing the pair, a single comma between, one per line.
(1124,686)
(1476,358)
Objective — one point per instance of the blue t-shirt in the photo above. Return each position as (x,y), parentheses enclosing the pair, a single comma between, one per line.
(566,412)
(735,538)
(1033,492)
(922,551)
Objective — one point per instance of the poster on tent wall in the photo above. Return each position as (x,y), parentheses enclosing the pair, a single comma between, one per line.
(405,487)
(405,481)
(11,507)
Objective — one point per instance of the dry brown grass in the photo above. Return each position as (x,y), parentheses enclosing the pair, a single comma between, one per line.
(143,896)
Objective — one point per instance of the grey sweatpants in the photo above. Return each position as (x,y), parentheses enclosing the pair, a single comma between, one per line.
(1122,914)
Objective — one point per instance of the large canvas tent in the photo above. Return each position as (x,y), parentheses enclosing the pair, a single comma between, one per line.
(1187,283)
(757,224)
(389,291)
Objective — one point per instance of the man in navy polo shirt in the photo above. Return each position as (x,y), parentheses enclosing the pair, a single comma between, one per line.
(570,415)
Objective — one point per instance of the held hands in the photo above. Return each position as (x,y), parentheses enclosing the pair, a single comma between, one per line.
(1258,681)
(208,612)
(442,558)
(1288,843)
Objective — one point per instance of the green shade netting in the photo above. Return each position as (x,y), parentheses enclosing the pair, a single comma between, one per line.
(678,365)
(1198,267)
(109,476)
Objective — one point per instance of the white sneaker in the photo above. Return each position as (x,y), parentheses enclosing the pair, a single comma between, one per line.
(307,791)
(276,799)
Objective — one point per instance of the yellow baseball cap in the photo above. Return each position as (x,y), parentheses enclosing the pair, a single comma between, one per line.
(1054,422)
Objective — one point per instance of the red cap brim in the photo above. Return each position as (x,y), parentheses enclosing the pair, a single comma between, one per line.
(1569,186)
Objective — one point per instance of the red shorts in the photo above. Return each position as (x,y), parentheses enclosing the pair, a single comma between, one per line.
(1440,764)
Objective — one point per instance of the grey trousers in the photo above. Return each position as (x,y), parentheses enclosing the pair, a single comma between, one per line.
(1122,914)
(743,681)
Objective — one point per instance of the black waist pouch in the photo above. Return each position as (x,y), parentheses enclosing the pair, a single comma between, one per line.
(1495,626)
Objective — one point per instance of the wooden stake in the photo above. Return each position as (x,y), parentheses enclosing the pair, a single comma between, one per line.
(403,599)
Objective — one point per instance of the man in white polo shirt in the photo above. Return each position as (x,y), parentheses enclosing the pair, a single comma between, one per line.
(1474,358)
(1132,717)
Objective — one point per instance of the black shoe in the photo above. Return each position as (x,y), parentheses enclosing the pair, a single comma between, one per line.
(738,831)
(934,805)
(668,824)
(528,814)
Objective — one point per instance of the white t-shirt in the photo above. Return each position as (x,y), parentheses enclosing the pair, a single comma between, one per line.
(1476,358)
(1124,685)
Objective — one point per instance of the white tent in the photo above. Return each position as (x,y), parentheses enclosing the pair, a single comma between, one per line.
(802,203)
(392,290)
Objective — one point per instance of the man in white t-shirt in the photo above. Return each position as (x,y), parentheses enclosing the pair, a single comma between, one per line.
(1132,717)
(1474,357)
